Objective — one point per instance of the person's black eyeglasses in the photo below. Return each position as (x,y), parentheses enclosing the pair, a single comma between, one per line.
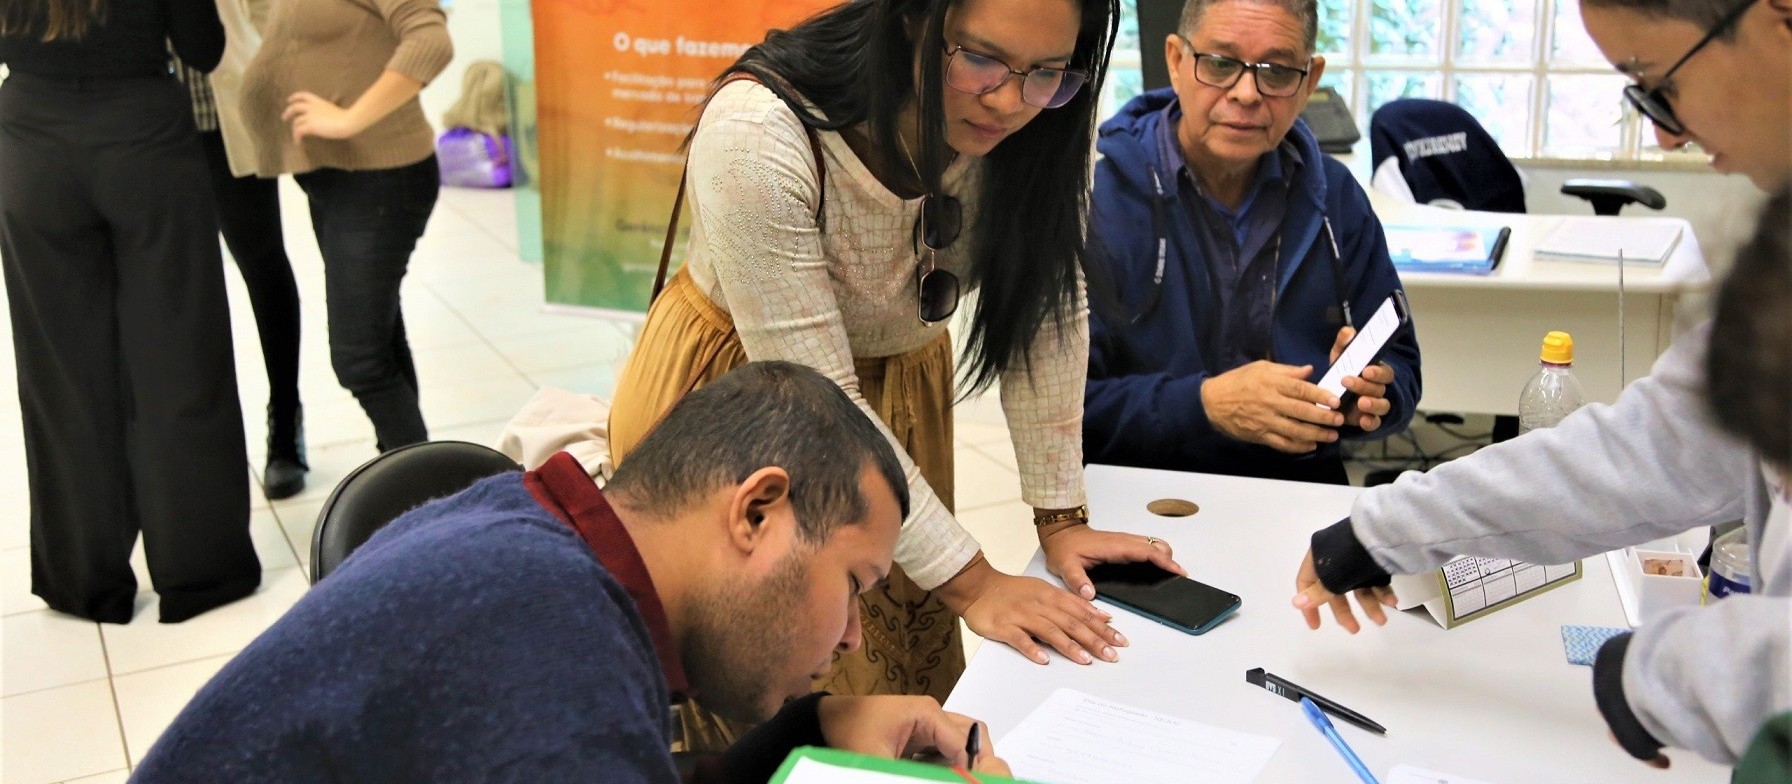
(980,74)
(1217,70)
(1653,102)
(936,290)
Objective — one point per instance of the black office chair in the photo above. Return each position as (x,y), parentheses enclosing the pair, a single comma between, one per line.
(1610,196)
(1451,157)
(396,482)
(1445,156)
(390,485)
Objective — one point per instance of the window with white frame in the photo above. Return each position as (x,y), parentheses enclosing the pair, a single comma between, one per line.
(1524,68)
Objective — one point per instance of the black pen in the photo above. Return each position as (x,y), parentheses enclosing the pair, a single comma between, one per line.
(973,744)
(1279,685)
(1499,247)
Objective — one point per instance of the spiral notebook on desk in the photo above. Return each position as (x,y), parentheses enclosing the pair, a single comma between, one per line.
(1647,241)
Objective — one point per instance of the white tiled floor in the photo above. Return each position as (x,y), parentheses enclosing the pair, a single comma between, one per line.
(82,703)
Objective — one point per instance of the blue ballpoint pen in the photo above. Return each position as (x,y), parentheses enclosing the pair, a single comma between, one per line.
(1317,716)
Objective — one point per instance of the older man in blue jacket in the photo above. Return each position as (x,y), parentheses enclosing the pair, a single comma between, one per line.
(1236,256)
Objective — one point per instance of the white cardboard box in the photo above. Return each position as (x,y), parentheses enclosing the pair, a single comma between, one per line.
(1646,596)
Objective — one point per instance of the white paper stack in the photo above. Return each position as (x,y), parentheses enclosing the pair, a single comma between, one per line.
(1078,738)
(1599,239)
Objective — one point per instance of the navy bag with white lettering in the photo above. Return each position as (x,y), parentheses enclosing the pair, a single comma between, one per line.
(1444,155)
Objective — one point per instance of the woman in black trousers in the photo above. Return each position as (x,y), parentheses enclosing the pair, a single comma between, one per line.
(120,328)
(248,211)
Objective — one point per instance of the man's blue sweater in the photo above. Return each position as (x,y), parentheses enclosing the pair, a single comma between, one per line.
(476,638)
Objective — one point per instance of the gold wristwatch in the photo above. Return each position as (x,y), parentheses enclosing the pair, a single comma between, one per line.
(1079,514)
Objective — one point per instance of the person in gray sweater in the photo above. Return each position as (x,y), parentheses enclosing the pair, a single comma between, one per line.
(1657,462)
(1748,370)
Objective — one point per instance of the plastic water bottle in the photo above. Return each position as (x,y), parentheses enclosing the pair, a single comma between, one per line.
(1729,564)
(1554,393)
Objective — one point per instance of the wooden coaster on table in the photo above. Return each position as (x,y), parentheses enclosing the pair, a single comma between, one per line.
(1172,507)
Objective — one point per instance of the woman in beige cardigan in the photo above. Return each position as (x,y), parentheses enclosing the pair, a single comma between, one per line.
(331,98)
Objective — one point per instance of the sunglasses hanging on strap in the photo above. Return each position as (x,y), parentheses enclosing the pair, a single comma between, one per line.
(936,289)
(659,278)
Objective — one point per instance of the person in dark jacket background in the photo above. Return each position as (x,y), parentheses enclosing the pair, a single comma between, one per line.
(1238,260)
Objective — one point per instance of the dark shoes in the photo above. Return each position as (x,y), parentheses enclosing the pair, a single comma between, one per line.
(284,476)
(178,606)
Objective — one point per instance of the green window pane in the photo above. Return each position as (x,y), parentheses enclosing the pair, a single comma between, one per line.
(1127,39)
(1334,26)
(1584,117)
(1497,31)
(1340,79)
(1405,29)
(1123,85)
(1502,103)
(1386,86)
(1572,46)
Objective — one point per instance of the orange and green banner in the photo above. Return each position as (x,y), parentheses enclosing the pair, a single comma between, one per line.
(618,83)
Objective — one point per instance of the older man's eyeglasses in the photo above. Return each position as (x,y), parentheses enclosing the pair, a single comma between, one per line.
(1653,102)
(1217,70)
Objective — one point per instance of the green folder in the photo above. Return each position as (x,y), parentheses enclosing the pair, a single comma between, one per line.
(914,771)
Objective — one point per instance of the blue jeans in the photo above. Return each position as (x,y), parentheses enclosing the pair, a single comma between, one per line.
(367,224)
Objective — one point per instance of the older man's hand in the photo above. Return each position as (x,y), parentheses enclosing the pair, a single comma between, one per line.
(1371,388)
(1272,404)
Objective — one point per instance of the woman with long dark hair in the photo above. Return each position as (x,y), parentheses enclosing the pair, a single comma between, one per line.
(850,180)
(121,331)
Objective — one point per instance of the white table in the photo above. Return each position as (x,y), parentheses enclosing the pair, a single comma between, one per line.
(1479,335)
(1494,699)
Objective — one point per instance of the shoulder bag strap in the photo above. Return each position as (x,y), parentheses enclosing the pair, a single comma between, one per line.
(659,278)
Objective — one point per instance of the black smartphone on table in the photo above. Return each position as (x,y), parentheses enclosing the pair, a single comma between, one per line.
(1163,596)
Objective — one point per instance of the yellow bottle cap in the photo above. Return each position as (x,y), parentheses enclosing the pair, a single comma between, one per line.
(1558,348)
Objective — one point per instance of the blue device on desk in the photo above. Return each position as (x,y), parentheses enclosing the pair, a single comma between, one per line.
(1177,602)
(1317,716)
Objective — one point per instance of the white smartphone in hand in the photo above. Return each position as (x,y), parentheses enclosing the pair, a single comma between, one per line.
(1366,348)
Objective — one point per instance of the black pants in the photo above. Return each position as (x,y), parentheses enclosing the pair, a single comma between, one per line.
(367,224)
(249,217)
(122,338)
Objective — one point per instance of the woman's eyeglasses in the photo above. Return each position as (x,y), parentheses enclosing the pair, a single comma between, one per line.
(936,290)
(981,74)
(1274,80)
(1653,103)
